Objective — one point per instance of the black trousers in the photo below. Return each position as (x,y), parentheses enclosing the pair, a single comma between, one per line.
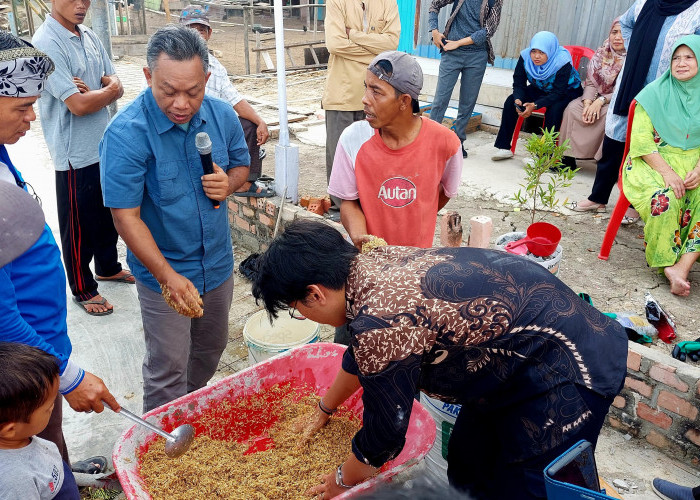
(552,118)
(54,429)
(474,454)
(607,171)
(87,229)
(250,132)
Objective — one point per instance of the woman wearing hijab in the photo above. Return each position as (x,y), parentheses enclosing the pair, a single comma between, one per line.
(544,77)
(650,28)
(662,172)
(584,119)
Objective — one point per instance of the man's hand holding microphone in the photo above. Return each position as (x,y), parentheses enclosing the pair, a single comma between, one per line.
(215,182)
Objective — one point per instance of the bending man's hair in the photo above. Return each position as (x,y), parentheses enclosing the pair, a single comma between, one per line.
(179,43)
(307,253)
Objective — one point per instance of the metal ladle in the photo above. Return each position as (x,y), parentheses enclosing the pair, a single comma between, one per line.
(177,442)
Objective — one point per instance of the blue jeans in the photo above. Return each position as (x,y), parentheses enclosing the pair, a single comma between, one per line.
(471,65)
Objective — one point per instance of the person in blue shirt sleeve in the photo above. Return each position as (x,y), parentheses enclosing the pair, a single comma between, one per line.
(178,243)
(32,278)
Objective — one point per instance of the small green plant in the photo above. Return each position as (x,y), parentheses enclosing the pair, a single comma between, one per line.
(545,174)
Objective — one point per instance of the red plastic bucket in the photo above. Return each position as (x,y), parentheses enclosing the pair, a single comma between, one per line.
(547,231)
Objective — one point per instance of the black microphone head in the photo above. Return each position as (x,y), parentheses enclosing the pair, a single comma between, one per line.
(203,143)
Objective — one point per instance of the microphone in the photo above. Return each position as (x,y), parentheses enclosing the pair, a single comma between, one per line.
(203,144)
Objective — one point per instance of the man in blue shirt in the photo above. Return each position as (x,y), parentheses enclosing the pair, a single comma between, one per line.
(73,117)
(162,207)
(466,48)
(33,283)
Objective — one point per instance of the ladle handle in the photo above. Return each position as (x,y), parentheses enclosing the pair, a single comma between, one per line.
(139,420)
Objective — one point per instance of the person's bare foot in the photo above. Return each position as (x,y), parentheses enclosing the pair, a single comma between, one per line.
(122,276)
(587,206)
(245,187)
(677,279)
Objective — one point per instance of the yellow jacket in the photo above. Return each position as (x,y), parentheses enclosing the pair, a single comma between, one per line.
(350,54)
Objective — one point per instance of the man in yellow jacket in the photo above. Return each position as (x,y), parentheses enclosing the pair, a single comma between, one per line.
(356,31)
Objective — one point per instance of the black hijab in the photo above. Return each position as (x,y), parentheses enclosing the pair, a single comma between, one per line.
(641,48)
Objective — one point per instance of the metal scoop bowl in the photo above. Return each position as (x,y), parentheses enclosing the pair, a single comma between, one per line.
(177,442)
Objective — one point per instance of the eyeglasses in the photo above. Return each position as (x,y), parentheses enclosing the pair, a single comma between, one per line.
(30,190)
(294,314)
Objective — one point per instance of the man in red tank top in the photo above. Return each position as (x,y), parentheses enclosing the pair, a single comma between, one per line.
(394,170)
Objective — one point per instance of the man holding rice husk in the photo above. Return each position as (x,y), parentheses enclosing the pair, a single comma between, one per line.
(179,241)
(534,367)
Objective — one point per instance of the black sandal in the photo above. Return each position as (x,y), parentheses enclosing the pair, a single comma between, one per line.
(92,465)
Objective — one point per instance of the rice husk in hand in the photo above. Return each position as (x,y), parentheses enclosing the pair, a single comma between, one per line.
(374,242)
(195,309)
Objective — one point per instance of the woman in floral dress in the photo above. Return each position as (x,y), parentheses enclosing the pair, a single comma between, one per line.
(662,172)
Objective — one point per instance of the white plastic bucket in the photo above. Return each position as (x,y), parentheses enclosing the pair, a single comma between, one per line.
(445,415)
(265,340)
(550,263)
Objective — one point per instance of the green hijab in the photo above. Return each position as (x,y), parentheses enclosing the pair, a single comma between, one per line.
(674,106)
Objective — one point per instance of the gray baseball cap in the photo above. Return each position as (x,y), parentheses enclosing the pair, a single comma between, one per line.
(21,222)
(194,14)
(404,74)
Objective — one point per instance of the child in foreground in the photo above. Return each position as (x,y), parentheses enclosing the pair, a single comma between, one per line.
(30,467)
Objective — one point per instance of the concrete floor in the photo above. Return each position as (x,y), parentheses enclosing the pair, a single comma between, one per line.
(112,346)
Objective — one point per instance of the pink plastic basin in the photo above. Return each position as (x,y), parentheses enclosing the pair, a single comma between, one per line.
(312,365)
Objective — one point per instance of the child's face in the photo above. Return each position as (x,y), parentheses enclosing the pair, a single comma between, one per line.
(40,418)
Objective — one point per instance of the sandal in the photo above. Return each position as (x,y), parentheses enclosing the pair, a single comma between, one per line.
(597,207)
(627,220)
(93,301)
(121,277)
(92,465)
(256,191)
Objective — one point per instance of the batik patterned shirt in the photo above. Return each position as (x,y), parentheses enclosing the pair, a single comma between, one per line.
(496,333)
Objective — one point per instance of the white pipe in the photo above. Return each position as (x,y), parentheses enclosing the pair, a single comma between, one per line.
(281,74)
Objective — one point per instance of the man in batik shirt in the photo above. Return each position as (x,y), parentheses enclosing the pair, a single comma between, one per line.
(534,367)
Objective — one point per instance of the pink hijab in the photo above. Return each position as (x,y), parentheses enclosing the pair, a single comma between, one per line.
(605,65)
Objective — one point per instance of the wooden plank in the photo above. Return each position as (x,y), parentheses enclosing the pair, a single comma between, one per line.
(268,62)
(289,54)
(296,44)
(313,54)
(298,68)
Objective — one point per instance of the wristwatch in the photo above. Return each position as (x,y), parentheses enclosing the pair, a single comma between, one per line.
(339,478)
(603,99)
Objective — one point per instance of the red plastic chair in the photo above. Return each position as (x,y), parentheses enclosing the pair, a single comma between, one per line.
(577,53)
(622,202)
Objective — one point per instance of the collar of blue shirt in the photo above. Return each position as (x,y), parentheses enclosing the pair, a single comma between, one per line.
(161,120)
(60,30)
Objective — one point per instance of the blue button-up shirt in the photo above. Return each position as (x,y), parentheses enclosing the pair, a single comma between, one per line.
(149,162)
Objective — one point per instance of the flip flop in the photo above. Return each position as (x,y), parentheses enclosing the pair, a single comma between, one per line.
(253,192)
(83,303)
(627,220)
(92,465)
(123,278)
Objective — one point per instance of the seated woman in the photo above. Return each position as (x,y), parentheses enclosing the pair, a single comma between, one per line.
(534,366)
(662,171)
(543,77)
(584,119)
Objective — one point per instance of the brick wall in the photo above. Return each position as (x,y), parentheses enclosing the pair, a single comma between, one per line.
(659,402)
(253,220)
(661,397)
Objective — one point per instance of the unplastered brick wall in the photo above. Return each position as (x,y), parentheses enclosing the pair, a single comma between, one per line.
(253,220)
(660,402)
